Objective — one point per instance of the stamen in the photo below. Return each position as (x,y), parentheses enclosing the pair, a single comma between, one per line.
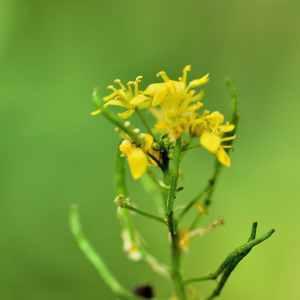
(119,82)
(185,71)
(230,138)
(163,75)
(129,85)
(133,84)
(111,87)
(139,78)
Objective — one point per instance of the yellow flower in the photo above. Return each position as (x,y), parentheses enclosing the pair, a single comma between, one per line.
(175,103)
(139,158)
(129,97)
(211,129)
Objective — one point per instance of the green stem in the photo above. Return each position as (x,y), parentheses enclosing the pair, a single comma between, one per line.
(231,262)
(200,279)
(143,213)
(121,124)
(144,121)
(209,191)
(121,189)
(197,198)
(94,258)
(171,179)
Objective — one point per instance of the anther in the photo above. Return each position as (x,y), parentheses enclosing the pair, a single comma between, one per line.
(119,82)
(163,75)
(111,87)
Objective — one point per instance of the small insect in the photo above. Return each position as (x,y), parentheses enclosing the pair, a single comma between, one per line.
(144,291)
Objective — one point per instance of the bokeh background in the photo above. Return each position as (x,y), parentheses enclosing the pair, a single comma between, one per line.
(53,53)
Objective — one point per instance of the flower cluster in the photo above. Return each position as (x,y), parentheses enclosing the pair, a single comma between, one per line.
(177,111)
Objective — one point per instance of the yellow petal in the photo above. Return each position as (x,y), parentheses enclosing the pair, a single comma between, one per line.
(154,88)
(227,127)
(148,140)
(223,157)
(138,163)
(210,141)
(158,91)
(126,147)
(114,102)
(195,106)
(199,82)
(160,96)
(138,100)
(126,114)
(216,117)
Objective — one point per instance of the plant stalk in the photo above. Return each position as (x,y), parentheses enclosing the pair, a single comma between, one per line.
(171,179)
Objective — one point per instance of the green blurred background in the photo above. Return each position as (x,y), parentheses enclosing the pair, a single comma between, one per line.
(53,53)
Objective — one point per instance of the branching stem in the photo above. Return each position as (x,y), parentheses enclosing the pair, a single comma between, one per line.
(171,179)
(144,121)
(231,262)
(143,213)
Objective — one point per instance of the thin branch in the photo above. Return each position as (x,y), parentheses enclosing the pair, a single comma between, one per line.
(200,279)
(122,192)
(143,213)
(144,121)
(159,184)
(187,208)
(114,119)
(232,261)
(210,188)
(208,192)
(94,258)
(155,265)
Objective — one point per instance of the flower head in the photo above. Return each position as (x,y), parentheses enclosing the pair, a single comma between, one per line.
(129,97)
(175,102)
(212,131)
(139,158)
(176,107)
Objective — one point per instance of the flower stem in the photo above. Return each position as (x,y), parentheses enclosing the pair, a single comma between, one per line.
(144,121)
(171,179)
(95,259)
(121,124)
(143,213)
